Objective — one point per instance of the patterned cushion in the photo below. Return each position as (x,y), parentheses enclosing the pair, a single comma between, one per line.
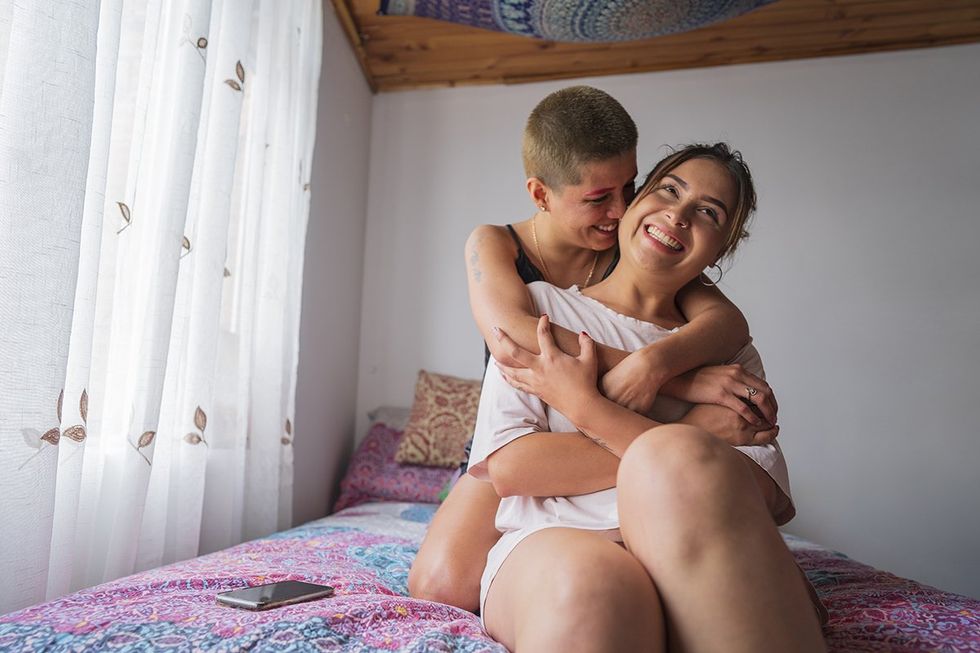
(442,420)
(373,474)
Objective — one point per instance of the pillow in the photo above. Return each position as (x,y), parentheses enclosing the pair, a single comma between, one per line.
(373,474)
(442,420)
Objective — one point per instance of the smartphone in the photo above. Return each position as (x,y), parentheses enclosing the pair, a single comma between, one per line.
(273,595)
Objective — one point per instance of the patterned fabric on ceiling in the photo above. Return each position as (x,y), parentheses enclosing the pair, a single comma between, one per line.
(582,20)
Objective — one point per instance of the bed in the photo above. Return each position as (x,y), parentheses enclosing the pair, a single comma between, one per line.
(365,549)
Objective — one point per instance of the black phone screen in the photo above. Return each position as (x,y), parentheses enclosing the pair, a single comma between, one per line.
(282,592)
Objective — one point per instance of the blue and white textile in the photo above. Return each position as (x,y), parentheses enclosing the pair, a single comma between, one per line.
(577,20)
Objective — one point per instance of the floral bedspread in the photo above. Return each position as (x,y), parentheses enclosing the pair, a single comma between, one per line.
(873,610)
(365,552)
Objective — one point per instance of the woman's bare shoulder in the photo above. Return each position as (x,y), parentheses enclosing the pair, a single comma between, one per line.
(491,238)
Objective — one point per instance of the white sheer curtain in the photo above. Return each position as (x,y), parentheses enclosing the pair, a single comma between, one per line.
(154,192)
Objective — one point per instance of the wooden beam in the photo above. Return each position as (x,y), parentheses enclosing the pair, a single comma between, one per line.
(407,52)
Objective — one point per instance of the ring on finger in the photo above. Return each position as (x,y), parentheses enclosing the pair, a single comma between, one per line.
(750,391)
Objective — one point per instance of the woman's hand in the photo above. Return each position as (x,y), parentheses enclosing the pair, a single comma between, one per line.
(633,383)
(729,426)
(729,386)
(559,380)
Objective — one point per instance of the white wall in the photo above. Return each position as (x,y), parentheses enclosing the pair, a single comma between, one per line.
(860,280)
(334,260)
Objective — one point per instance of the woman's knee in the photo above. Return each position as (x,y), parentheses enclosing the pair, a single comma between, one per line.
(450,561)
(440,578)
(673,456)
(681,479)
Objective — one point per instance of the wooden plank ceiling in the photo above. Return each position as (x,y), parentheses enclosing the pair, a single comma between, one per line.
(398,53)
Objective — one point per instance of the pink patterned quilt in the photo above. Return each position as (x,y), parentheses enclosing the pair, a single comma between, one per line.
(365,552)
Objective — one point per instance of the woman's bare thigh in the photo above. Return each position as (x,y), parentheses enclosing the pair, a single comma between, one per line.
(573,590)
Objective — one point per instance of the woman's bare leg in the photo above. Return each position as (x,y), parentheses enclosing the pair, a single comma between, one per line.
(453,554)
(692,512)
(569,590)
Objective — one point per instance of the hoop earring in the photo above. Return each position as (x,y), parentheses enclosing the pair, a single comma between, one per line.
(702,276)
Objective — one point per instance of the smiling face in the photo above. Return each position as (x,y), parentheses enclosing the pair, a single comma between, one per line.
(588,213)
(681,224)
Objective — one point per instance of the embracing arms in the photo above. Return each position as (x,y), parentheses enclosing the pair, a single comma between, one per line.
(565,464)
(570,464)
(566,383)
(715,332)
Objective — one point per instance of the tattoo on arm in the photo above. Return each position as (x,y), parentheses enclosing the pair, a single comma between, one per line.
(475,261)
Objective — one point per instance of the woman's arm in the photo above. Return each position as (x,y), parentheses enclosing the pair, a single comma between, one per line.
(498,295)
(613,427)
(570,464)
(551,465)
(716,331)
(568,384)
(564,383)
(547,464)
(499,298)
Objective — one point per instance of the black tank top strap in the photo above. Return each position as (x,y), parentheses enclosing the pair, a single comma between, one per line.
(513,234)
(525,268)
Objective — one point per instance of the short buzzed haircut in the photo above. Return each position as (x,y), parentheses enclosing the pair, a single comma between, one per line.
(571,127)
